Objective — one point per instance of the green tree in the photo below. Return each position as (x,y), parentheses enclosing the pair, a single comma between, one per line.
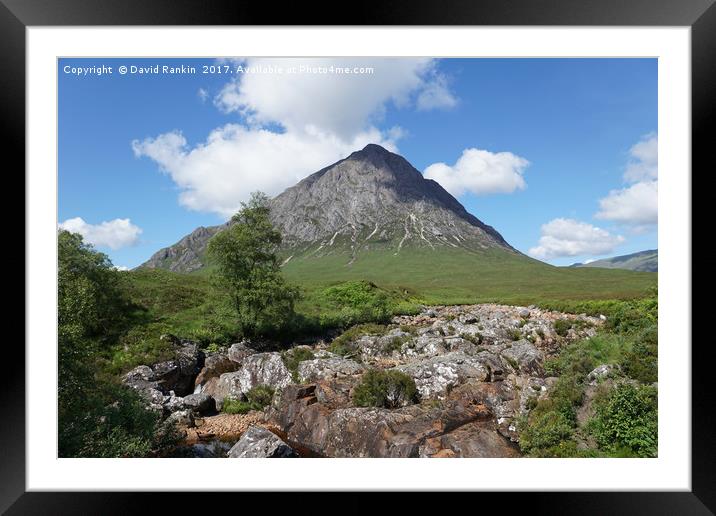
(95,419)
(248,272)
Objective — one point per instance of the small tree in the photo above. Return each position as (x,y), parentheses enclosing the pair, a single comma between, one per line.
(247,269)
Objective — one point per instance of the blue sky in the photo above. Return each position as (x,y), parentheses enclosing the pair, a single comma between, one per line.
(559,155)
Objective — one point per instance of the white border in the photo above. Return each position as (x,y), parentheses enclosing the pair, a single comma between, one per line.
(670,471)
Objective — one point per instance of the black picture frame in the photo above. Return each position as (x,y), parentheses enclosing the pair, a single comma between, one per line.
(700,15)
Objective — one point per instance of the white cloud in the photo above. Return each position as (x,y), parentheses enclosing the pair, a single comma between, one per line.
(436,95)
(644,160)
(343,104)
(202,94)
(234,161)
(293,125)
(121,268)
(636,205)
(568,237)
(480,172)
(114,234)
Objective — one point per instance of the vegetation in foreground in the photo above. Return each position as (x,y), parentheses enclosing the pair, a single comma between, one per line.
(624,411)
(96,416)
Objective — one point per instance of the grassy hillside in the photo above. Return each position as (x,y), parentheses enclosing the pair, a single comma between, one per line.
(647,261)
(452,276)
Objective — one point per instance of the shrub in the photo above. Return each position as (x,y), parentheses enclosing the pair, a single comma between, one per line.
(475,339)
(389,389)
(256,399)
(553,419)
(626,420)
(344,343)
(547,429)
(515,334)
(562,326)
(396,343)
(641,362)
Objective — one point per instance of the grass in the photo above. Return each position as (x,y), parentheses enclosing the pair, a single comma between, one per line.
(378,285)
(452,276)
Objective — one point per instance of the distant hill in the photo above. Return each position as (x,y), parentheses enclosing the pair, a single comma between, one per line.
(644,261)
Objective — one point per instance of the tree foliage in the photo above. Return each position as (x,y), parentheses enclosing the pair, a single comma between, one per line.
(248,272)
(95,419)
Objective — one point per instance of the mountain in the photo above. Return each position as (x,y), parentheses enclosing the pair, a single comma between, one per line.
(645,261)
(371,201)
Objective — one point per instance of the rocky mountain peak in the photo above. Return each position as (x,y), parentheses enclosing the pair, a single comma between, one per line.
(372,200)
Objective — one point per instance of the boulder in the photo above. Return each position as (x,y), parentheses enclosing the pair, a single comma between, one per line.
(372,432)
(173,403)
(258,442)
(239,351)
(475,440)
(201,403)
(257,369)
(214,366)
(436,375)
(142,380)
(525,358)
(181,419)
(327,368)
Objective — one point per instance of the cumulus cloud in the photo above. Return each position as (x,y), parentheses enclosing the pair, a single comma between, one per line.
(292,124)
(568,237)
(644,160)
(121,268)
(436,94)
(480,172)
(636,205)
(216,175)
(114,234)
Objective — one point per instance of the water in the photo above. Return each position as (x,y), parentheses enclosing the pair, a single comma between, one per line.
(212,449)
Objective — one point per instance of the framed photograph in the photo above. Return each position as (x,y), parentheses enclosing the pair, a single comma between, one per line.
(430,234)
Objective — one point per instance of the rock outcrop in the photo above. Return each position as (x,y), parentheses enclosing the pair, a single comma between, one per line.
(258,442)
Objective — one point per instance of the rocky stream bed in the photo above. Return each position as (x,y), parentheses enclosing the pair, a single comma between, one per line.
(477,369)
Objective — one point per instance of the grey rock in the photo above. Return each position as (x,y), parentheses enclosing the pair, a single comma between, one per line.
(327,368)
(526,356)
(214,366)
(258,442)
(201,403)
(257,369)
(239,351)
(435,376)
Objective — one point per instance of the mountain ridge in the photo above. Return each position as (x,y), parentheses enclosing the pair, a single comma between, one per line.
(642,261)
(372,199)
